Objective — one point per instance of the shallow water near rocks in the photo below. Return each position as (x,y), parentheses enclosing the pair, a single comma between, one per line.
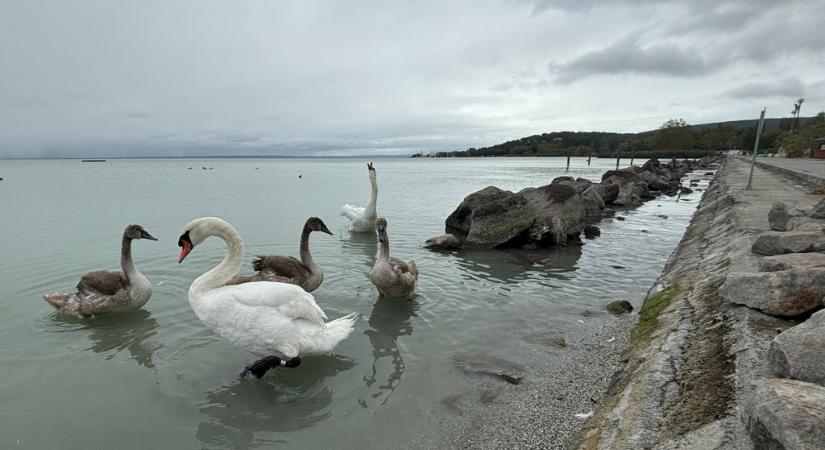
(159,378)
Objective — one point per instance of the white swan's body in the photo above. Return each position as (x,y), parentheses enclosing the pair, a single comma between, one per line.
(363,219)
(263,317)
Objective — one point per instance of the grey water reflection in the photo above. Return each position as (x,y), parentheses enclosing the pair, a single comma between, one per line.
(389,319)
(361,247)
(507,265)
(115,333)
(285,400)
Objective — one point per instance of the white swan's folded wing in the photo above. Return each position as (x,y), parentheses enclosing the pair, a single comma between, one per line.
(287,299)
(351,211)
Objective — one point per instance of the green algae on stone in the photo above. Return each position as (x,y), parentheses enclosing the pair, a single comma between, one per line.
(649,317)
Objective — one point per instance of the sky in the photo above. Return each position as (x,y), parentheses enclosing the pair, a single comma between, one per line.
(100,78)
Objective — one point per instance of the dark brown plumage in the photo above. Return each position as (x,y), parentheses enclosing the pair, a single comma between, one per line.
(286,269)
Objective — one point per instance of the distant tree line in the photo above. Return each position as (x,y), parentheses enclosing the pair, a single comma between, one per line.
(674,139)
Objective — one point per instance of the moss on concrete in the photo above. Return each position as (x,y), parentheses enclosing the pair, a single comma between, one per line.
(649,318)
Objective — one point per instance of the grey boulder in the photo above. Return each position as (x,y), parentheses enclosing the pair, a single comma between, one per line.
(791,261)
(799,352)
(786,293)
(443,242)
(777,243)
(785,414)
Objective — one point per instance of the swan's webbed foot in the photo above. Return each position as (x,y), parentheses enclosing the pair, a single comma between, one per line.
(260,367)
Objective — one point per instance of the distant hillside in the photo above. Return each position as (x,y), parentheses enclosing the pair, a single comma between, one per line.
(674,139)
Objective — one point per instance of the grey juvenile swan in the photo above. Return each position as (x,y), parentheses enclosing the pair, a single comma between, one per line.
(392,277)
(104,291)
(286,269)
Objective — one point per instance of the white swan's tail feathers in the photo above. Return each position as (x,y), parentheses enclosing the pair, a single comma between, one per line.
(351,211)
(64,303)
(337,330)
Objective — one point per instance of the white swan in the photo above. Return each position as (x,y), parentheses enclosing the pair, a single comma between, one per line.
(277,321)
(363,219)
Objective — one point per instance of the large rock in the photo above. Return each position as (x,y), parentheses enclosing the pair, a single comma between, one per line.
(655,182)
(542,216)
(443,242)
(818,211)
(607,191)
(778,217)
(785,414)
(791,261)
(799,352)
(786,293)
(627,174)
(776,242)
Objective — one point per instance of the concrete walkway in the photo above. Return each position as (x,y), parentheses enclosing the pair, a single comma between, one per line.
(802,170)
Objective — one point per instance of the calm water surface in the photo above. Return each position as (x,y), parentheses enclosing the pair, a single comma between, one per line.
(159,378)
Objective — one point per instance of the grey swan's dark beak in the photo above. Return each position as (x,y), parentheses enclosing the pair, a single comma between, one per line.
(145,235)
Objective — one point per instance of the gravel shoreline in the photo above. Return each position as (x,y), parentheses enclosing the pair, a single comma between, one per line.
(541,411)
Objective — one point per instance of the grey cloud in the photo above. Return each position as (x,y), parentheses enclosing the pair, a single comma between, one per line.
(629,55)
(789,87)
(98,78)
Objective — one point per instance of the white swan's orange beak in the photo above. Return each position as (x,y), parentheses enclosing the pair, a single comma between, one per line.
(185,248)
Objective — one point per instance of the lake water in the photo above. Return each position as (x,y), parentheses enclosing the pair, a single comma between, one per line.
(158,378)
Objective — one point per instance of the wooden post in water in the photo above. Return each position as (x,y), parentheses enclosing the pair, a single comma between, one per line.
(618,157)
(632,153)
(568,164)
(756,147)
(588,159)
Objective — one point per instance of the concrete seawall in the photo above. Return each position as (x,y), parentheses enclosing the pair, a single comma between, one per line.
(694,359)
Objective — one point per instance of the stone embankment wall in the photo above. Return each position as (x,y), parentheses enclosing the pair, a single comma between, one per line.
(726,353)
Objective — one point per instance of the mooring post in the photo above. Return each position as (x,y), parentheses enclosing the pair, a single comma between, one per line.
(756,148)
(568,164)
(632,154)
(588,160)
(618,157)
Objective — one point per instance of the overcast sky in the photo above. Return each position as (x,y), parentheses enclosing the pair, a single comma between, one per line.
(166,78)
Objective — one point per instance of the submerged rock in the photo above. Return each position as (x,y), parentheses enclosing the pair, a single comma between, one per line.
(592,231)
(547,338)
(619,307)
(443,242)
(785,414)
(790,261)
(776,243)
(799,352)
(785,293)
(492,365)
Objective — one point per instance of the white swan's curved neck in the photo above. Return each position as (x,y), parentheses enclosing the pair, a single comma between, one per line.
(370,208)
(231,264)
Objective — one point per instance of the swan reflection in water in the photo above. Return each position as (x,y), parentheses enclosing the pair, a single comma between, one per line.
(362,246)
(237,415)
(114,333)
(390,319)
